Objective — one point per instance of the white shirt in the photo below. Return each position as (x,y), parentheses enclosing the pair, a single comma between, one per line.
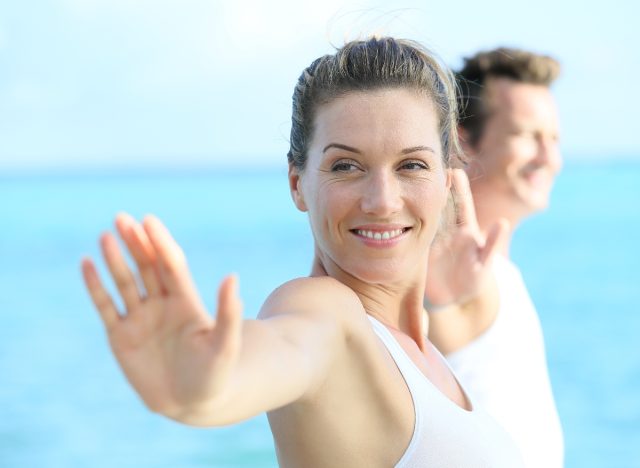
(505,371)
(446,435)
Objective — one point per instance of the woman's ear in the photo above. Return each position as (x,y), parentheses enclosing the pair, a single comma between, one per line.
(294,187)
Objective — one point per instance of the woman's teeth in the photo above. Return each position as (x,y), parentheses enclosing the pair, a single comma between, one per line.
(380,235)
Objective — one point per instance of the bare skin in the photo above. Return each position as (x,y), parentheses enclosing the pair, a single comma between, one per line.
(510,177)
(333,394)
(460,275)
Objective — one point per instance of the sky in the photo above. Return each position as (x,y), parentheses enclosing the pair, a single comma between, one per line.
(195,83)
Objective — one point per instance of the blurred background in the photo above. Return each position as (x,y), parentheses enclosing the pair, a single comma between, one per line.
(182,109)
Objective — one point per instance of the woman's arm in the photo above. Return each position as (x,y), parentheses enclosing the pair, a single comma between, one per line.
(192,368)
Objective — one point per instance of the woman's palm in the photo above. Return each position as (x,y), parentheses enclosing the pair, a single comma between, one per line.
(173,353)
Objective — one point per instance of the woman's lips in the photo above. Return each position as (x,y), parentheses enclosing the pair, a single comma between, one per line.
(380,236)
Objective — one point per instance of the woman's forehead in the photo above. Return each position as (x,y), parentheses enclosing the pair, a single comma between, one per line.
(398,113)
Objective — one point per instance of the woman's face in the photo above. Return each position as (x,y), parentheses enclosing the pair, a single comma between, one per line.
(374,184)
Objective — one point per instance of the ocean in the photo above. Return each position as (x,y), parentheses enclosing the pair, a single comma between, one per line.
(64,402)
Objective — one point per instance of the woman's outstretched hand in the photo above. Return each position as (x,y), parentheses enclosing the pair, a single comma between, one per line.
(459,262)
(175,355)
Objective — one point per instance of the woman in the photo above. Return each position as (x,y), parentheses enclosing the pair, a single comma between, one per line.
(339,360)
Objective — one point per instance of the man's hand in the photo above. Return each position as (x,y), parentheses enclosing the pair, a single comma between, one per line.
(459,262)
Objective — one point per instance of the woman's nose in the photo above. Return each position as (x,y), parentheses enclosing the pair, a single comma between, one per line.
(382,195)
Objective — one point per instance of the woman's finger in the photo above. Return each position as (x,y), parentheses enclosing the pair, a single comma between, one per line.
(122,276)
(99,295)
(465,210)
(227,332)
(142,252)
(171,260)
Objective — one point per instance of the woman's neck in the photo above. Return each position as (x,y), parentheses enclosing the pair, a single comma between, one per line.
(398,306)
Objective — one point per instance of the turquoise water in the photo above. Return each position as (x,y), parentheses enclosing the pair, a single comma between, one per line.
(65,403)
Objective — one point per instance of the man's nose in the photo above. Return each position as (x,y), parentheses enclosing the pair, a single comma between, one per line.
(549,151)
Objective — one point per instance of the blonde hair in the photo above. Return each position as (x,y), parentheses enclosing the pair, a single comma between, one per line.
(372,64)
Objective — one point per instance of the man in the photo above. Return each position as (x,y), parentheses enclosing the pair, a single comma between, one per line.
(480,313)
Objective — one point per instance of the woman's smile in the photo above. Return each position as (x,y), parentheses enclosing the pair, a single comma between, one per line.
(380,236)
(375,183)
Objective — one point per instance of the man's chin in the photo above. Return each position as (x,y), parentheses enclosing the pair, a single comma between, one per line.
(535,204)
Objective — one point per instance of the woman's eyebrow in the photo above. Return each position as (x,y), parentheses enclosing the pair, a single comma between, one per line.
(415,149)
(340,146)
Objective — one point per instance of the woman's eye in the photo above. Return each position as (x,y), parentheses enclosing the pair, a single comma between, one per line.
(414,166)
(344,166)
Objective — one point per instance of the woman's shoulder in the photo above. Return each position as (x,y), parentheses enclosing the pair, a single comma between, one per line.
(316,285)
(322,297)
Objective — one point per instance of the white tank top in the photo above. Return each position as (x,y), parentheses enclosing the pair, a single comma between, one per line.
(446,435)
(505,371)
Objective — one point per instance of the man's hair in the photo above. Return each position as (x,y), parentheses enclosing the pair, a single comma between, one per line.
(514,64)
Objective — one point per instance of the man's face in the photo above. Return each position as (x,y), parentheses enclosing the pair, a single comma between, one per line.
(517,157)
